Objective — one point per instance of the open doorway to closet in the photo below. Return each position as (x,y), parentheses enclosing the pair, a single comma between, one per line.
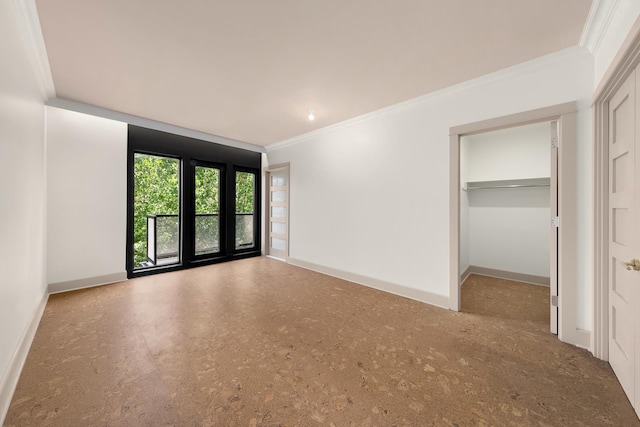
(508,240)
(565,116)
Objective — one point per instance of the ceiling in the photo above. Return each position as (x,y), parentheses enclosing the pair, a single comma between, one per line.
(249,70)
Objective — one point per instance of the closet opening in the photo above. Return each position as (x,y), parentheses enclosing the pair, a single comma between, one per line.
(564,266)
(508,241)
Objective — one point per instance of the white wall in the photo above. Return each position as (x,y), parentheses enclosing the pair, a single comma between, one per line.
(520,152)
(507,229)
(624,16)
(22,191)
(87,196)
(371,196)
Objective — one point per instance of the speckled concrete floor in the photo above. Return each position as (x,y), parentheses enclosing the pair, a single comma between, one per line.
(257,342)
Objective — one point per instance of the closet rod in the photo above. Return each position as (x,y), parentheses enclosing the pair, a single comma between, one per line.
(509,183)
(508,186)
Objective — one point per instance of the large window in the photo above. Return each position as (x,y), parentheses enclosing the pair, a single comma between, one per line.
(190,202)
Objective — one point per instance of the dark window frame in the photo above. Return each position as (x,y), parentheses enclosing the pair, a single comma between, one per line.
(256,209)
(192,152)
(222,208)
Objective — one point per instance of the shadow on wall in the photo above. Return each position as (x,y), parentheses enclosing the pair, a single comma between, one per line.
(510,198)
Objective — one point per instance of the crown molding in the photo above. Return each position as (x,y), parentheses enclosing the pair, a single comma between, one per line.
(92,110)
(597,23)
(523,68)
(27,14)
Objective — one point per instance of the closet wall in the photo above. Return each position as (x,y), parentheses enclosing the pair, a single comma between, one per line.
(506,229)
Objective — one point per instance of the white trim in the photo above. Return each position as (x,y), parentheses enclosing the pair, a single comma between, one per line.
(93,110)
(27,14)
(583,339)
(89,282)
(381,285)
(9,382)
(278,167)
(465,275)
(598,21)
(524,68)
(454,220)
(531,279)
(600,322)
(565,114)
(625,61)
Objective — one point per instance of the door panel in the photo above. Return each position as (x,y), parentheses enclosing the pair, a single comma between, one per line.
(278,213)
(623,236)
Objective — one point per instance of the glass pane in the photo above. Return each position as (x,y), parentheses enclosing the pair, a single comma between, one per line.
(207,224)
(167,239)
(156,235)
(278,196)
(278,180)
(278,212)
(278,228)
(279,244)
(245,208)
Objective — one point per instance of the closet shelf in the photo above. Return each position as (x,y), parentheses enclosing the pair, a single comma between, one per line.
(508,183)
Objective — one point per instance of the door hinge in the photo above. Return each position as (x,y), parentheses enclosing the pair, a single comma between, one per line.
(554,300)
(554,142)
(555,221)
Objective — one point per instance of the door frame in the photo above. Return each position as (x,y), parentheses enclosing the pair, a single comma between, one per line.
(565,115)
(267,207)
(627,59)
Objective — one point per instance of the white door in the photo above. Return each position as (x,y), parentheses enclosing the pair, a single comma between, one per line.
(624,238)
(553,240)
(278,213)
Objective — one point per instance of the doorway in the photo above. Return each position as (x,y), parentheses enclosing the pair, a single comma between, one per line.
(277,212)
(565,116)
(156,210)
(508,242)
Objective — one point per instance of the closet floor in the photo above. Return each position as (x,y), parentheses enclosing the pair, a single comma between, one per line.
(505,299)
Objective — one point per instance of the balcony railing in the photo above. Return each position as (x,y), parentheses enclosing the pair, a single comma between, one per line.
(244,230)
(163,236)
(163,239)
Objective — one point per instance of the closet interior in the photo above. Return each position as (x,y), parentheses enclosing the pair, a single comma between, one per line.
(505,204)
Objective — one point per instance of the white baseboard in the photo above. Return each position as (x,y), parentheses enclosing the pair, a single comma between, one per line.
(509,275)
(465,275)
(89,282)
(582,339)
(381,285)
(9,383)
